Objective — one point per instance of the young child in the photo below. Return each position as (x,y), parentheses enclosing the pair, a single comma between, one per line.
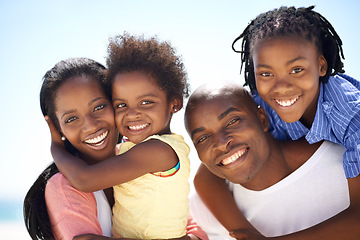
(150,174)
(282,187)
(292,60)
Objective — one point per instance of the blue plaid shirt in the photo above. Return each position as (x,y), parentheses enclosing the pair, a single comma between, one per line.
(337,120)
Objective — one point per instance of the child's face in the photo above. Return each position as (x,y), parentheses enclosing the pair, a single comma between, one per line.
(287,72)
(86,118)
(141,107)
(229,136)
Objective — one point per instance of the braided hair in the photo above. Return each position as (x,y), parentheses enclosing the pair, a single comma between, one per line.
(291,21)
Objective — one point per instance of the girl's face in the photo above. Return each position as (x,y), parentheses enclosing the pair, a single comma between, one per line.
(141,107)
(287,71)
(86,118)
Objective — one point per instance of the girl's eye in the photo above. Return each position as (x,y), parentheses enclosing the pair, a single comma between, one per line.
(146,102)
(265,74)
(71,119)
(97,108)
(296,70)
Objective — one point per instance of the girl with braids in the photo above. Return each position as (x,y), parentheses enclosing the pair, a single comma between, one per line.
(292,62)
(150,173)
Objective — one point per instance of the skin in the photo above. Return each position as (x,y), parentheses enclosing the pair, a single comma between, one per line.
(141,110)
(230,133)
(86,118)
(287,71)
(141,107)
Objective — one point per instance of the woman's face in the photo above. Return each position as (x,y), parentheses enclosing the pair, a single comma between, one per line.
(86,118)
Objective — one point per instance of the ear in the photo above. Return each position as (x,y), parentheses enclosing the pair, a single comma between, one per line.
(263,118)
(176,105)
(323,66)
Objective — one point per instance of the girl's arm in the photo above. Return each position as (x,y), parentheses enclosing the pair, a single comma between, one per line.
(116,170)
(216,195)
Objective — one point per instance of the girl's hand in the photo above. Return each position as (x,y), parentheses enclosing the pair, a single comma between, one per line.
(55,135)
(247,234)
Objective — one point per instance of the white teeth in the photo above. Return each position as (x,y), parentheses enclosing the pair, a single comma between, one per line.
(287,103)
(98,139)
(138,127)
(233,157)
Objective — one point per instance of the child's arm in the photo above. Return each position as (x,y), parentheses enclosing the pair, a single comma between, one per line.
(214,192)
(344,225)
(116,170)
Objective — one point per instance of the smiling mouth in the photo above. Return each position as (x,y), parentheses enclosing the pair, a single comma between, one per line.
(233,157)
(97,140)
(288,102)
(138,127)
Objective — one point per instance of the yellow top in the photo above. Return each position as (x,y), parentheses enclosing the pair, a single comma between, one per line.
(154,207)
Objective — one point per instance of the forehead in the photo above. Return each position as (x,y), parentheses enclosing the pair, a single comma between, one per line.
(77,91)
(209,110)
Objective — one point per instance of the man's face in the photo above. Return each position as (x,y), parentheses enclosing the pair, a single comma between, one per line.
(228,132)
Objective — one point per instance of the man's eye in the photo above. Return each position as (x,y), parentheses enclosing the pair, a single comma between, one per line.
(202,139)
(232,121)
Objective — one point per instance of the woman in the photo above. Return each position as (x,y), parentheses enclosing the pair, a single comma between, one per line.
(74,97)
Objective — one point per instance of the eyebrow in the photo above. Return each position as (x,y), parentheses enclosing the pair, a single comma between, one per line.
(287,63)
(94,100)
(67,112)
(220,117)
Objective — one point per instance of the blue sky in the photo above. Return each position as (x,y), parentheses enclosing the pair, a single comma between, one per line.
(37,34)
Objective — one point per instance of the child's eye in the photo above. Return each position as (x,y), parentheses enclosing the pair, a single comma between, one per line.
(120,105)
(70,119)
(146,102)
(101,106)
(296,70)
(265,74)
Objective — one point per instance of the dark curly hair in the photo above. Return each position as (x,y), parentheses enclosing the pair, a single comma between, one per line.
(290,21)
(128,53)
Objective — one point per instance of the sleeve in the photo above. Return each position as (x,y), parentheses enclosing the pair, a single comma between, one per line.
(352,154)
(71,212)
(194,229)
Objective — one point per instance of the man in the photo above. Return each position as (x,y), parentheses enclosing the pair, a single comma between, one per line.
(280,187)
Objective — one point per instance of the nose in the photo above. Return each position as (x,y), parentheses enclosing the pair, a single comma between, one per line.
(132,113)
(90,123)
(222,141)
(283,84)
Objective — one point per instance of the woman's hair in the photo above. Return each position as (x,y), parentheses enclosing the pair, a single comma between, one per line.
(291,21)
(128,53)
(35,213)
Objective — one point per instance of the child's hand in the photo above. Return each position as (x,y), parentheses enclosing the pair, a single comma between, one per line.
(55,135)
(246,234)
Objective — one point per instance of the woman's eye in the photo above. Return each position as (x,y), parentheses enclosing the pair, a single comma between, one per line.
(296,70)
(202,139)
(71,119)
(97,108)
